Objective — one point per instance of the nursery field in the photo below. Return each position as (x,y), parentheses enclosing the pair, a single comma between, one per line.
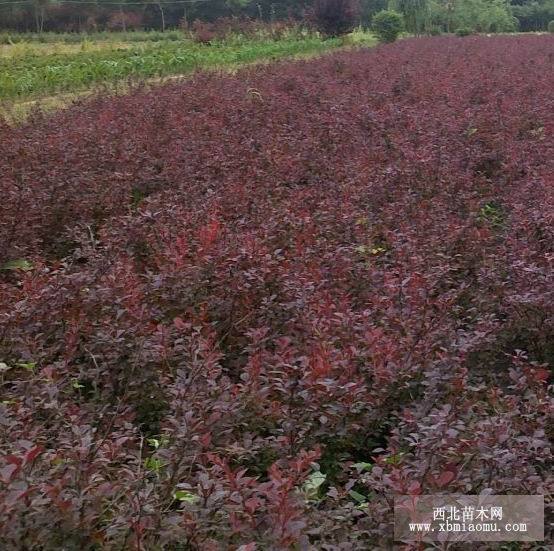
(246,311)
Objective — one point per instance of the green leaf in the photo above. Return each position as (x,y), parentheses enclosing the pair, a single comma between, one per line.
(19,264)
(359,498)
(394,459)
(183,495)
(29,366)
(492,213)
(153,464)
(363,466)
(312,485)
(159,442)
(136,197)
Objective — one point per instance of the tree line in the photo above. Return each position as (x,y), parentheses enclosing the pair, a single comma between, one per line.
(420,16)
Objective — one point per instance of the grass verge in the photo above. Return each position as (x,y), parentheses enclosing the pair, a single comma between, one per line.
(53,80)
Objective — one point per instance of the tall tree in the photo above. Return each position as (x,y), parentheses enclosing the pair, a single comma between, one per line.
(416,14)
(162,14)
(39,9)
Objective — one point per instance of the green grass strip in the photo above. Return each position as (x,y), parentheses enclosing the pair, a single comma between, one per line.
(34,75)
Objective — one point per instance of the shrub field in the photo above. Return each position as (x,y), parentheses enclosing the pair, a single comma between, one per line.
(244,312)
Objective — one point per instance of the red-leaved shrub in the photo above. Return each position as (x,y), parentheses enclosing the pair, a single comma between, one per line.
(212,291)
(124,21)
(225,27)
(334,17)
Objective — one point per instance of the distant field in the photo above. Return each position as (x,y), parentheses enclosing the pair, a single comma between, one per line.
(32,69)
(20,50)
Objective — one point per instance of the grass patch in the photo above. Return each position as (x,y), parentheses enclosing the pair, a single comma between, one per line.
(7,37)
(35,74)
(21,50)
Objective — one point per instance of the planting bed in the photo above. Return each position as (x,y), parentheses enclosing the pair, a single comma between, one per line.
(248,311)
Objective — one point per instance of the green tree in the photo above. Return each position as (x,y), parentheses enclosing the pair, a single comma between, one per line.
(473,15)
(387,25)
(484,15)
(368,8)
(442,13)
(533,15)
(416,14)
(39,10)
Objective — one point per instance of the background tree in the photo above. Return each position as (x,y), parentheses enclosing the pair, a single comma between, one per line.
(416,14)
(533,15)
(484,15)
(162,14)
(387,25)
(442,14)
(472,15)
(40,11)
(420,15)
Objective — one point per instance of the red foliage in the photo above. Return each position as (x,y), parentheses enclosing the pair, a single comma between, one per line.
(124,21)
(203,32)
(343,260)
(334,17)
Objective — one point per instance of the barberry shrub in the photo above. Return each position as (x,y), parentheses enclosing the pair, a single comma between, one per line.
(226,27)
(387,25)
(203,32)
(335,17)
(246,311)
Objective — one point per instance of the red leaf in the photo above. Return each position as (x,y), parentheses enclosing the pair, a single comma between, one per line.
(7,473)
(252,504)
(14,460)
(445,478)
(64,504)
(541,375)
(179,323)
(206,439)
(33,453)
